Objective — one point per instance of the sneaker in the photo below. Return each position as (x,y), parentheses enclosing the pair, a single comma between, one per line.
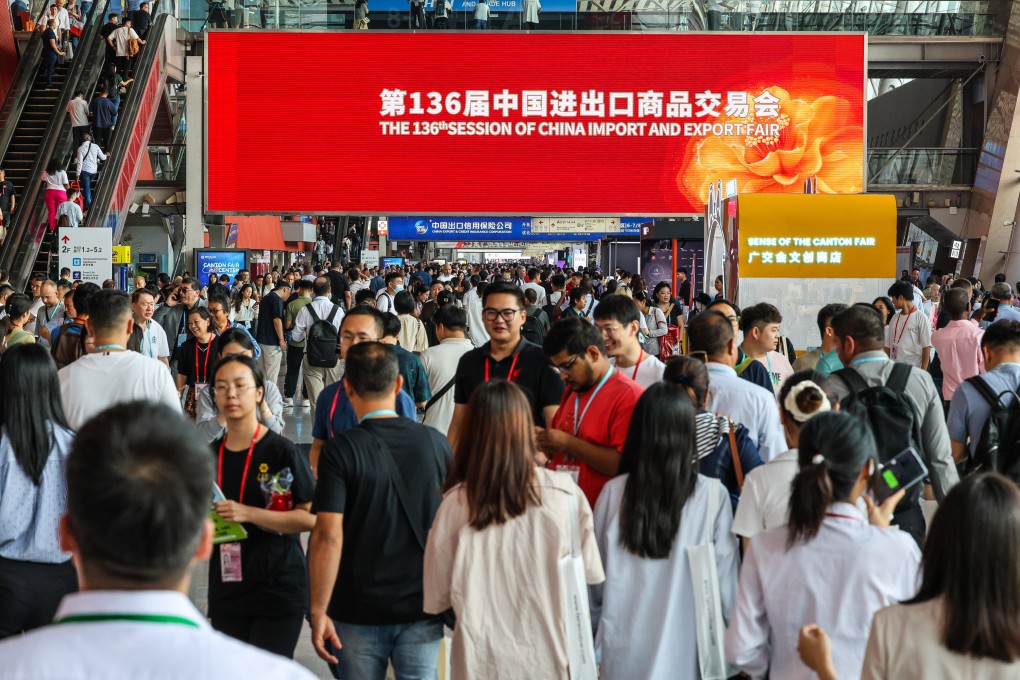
(307,403)
(288,403)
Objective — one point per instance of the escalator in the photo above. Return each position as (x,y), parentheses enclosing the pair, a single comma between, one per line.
(34,128)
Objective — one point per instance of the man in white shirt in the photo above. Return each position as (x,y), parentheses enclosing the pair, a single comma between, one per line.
(908,335)
(729,395)
(121,39)
(132,618)
(111,374)
(78,109)
(317,377)
(441,362)
(150,337)
(384,299)
(473,307)
(533,284)
(760,324)
(618,319)
(87,161)
(71,210)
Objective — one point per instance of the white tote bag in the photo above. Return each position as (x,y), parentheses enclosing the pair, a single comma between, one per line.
(574,590)
(707,599)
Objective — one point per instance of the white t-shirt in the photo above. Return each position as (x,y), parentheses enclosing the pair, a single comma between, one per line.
(907,335)
(482,11)
(765,498)
(122,38)
(98,381)
(646,373)
(779,369)
(384,302)
(154,343)
(56,180)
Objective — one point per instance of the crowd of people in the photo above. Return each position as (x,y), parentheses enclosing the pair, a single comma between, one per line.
(498,453)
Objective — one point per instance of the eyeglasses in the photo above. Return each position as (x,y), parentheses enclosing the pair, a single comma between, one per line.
(349,338)
(565,368)
(216,310)
(226,388)
(490,314)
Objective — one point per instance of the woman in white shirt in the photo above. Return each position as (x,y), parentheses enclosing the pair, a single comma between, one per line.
(645,519)
(829,565)
(56,189)
(244,311)
(412,336)
(655,321)
(963,623)
(495,543)
(765,499)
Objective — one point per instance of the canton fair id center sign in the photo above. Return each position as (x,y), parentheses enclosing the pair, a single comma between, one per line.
(577,124)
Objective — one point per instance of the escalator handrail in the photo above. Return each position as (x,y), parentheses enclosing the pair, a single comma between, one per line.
(126,120)
(87,63)
(21,87)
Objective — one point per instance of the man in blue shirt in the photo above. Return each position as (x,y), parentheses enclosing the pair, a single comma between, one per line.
(421,275)
(333,410)
(104,115)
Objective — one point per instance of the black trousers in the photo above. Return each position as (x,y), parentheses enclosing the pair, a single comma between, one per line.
(30,593)
(279,636)
(290,383)
(102,137)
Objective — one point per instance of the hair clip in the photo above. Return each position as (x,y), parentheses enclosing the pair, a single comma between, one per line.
(818,459)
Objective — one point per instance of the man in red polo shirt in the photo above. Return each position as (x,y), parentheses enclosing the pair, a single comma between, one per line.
(590,426)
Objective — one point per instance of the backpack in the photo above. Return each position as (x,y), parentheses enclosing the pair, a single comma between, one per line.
(533,330)
(70,344)
(553,311)
(892,417)
(998,448)
(320,345)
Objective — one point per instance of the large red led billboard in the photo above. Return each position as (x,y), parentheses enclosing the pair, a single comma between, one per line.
(526,124)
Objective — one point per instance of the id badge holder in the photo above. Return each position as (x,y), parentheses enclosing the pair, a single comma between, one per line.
(181,339)
(573,470)
(200,389)
(893,351)
(230,562)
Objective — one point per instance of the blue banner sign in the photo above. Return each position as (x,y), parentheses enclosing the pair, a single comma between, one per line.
(219,262)
(505,229)
(495,6)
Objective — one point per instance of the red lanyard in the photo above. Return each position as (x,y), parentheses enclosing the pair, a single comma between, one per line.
(247,463)
(332,409)
(833,514)
(206,367)
(640,359)
(903,330)
(513,364)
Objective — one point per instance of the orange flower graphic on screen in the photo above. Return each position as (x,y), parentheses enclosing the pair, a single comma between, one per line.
(816,138)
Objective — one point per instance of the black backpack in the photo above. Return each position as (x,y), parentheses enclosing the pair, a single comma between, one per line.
(533,330)
(70,344)
(894,421)
(321,341)
(998,448)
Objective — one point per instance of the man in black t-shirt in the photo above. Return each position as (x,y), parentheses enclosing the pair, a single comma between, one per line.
(378,491)
(339,288)
(269,332)
(111,25)
(8,199)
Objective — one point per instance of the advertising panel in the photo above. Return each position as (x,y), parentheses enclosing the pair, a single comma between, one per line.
(495,6)
(579,124)
(220,262)
(88,253)
(814,236)
(511,228)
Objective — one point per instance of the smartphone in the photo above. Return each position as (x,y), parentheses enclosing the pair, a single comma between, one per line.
(902,472)
(992,307)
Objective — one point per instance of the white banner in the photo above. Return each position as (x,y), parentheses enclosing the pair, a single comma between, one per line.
(88,253)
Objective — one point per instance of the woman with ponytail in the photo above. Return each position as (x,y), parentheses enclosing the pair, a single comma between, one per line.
(831,564)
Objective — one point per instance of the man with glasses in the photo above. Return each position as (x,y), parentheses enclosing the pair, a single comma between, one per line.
(333,410)
(506,356)
(618,319)
(590,426)
(746,367)
(147,338)
(173,316)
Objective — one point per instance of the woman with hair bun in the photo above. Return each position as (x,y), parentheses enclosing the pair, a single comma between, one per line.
(832,564)
(765,501)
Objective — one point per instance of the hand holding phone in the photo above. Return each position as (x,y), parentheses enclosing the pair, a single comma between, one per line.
(991,309)
(899,474)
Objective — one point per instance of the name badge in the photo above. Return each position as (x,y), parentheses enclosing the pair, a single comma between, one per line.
(572,470)
(893,351)
(230,563)
(181,338)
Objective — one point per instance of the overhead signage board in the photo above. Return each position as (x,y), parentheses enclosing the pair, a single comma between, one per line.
(570,128)
(812,236)
(511,228)
(219,262)
(88,253)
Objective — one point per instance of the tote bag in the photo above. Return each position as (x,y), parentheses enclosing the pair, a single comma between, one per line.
(574,593)
(707,599)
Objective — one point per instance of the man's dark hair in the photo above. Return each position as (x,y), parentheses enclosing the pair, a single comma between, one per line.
(533,272)
(901,289)
(999,278)
(403,303)
(192,283)
(826,313)
(109,310)
(558,280)
(956,303)
(618,308)
(82,297)
(724,301)
(572,335)
(365,310)
(390,276)
(305,284)
(372,368)
(321,286)
(216,289)
(451,317)
(364,295)
(861,322)
(391,325)
(709,332)
(138,485)
(1002,334)
(503,288)
(530,296)
(759,315)
(222,300)
(281,284)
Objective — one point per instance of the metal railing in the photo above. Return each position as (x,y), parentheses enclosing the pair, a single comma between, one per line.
(922,167)
(21,88)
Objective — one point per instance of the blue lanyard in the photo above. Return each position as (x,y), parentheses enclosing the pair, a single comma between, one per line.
(102,347)
(577,401)
(868,360)
(1006,363)
(380,412)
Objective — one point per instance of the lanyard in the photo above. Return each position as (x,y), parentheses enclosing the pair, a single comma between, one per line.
(143,618)
(208,347)
(373,414)
(868,360)
(577,401)
(247,463)
(102,347)
(513,364)
(640,359)
(834,514)
(903,329)
(332,409)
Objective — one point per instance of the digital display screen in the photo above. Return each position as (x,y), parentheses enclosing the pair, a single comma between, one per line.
(219,262)
(590,124)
